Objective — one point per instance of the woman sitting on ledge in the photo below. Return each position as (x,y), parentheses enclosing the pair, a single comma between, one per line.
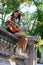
(22,43)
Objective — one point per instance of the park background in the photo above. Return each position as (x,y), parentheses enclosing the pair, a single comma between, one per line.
(31,14)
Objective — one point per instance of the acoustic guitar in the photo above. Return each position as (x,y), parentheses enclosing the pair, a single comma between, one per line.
(13,26)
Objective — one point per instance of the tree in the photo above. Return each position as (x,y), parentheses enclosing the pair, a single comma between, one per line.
(6,7)
(38,27)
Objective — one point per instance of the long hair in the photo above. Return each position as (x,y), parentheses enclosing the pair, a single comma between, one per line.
(15,12)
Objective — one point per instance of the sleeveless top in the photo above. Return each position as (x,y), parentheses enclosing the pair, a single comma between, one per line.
(19,22)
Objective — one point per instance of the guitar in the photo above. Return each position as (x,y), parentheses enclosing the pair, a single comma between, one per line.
(13,26)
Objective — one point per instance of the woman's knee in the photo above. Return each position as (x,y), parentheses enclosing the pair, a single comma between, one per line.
(20,35)
(24,36)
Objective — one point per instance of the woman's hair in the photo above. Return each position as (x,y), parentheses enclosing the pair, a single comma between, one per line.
(16,10)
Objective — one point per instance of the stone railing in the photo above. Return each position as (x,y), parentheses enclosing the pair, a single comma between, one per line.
(31,51)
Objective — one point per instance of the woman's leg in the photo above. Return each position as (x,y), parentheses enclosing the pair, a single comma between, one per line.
(22,43)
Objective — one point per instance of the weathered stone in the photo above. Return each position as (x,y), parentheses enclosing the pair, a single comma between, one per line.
(32,50)
(7,49)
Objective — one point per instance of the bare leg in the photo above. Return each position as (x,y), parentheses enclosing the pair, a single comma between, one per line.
(22,43)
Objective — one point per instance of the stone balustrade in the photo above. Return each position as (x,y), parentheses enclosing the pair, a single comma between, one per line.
(31,51)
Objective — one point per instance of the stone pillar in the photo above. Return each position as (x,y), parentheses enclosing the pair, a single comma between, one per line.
(32,51)
(41,61)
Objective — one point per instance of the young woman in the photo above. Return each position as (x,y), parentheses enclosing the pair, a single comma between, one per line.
(22,43)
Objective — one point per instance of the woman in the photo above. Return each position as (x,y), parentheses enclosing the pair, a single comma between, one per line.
(22,43)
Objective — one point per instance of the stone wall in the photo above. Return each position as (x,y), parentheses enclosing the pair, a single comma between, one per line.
(31,51)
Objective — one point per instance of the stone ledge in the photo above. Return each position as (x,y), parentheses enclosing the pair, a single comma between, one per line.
(12,57)
(32,39)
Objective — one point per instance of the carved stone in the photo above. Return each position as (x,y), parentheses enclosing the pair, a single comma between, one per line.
(8,45)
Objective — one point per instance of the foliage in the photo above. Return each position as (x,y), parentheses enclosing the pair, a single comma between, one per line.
(12,4)
(6,7)
(39,48)
(34,21)
(38,27)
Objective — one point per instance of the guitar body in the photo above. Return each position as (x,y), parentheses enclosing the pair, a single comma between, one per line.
(13,27)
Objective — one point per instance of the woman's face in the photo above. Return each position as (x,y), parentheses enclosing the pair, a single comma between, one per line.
(16,14)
